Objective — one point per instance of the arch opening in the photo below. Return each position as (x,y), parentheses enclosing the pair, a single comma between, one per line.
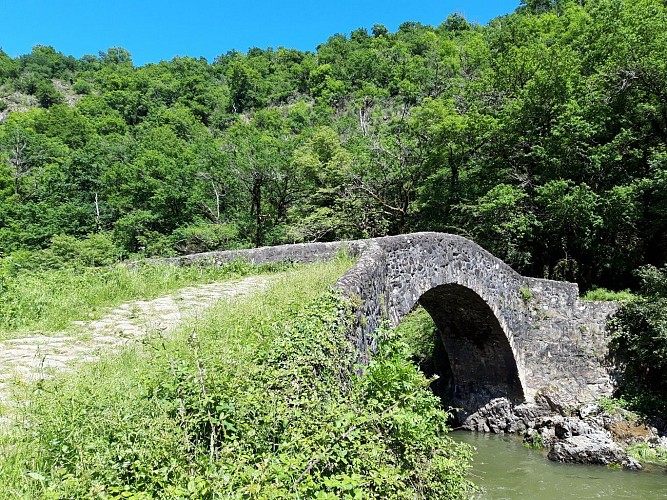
(477,363)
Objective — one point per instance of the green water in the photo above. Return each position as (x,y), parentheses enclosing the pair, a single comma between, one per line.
(505,469)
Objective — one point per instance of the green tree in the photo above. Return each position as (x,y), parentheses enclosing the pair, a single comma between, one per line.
(502,221)
(246,86)
(9,68)
(453,141)
(116,56)
(570,217)
(46,94)
(260,160)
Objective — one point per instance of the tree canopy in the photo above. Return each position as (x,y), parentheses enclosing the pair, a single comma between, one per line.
(542,136)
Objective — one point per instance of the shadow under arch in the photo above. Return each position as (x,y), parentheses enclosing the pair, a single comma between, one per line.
(481,359)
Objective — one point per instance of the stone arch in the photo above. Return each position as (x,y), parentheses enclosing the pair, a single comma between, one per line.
(474,299)
(481,359)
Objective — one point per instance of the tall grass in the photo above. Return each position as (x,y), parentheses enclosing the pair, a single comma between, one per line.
(49,300)
(644,453)
(258,399)
(605,295)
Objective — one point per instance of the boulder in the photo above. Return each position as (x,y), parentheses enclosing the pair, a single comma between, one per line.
(569,427)
(496,416)
(658,443)
(529,414)
(594,448)
(552,428)
(590,410)
(501,416)
(555,400)
(573,435)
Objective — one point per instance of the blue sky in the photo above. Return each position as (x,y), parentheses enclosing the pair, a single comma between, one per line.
(159,30)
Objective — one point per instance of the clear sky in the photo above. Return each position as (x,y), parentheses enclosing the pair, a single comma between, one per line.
(153,30)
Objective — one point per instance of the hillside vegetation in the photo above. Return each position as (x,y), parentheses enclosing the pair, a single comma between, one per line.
(260,398)
(542,136)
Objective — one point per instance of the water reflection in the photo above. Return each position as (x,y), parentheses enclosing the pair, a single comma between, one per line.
(506,469)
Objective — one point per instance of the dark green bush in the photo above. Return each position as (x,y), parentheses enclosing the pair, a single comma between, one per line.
(82,87)
(639,343)
(46,94)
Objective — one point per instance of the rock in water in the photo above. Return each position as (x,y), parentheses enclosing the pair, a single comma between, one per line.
(497,416)
(592,449)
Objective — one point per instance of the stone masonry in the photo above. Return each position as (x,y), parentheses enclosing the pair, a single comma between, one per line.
(506,335)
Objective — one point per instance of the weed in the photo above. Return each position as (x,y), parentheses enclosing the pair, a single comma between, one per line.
(534,441)
(610,405)
(644,453)
(526,294)
(49,300)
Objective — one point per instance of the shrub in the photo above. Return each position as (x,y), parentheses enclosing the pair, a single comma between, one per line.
(98,250)
(205,237)
(46,94)
(133,231)
(67,251)
(82,87)
(610,405)
(639,342)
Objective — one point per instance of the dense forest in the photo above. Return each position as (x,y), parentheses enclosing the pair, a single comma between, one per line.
(542,136)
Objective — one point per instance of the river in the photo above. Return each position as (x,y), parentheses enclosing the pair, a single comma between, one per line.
(505,469)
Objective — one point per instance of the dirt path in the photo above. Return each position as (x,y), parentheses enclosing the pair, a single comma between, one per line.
(31,358)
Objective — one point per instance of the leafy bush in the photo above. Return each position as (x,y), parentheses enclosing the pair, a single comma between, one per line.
(82,87)
(27,82)
(133,231)
(67,252)
(610,405)
(639,341)
(94,250)
(258,401)
(46,94)
(205,237)
(653,281)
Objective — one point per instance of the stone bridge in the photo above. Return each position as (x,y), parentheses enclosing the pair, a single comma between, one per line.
(505,335)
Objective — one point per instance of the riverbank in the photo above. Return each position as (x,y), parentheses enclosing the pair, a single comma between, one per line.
(585,434)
